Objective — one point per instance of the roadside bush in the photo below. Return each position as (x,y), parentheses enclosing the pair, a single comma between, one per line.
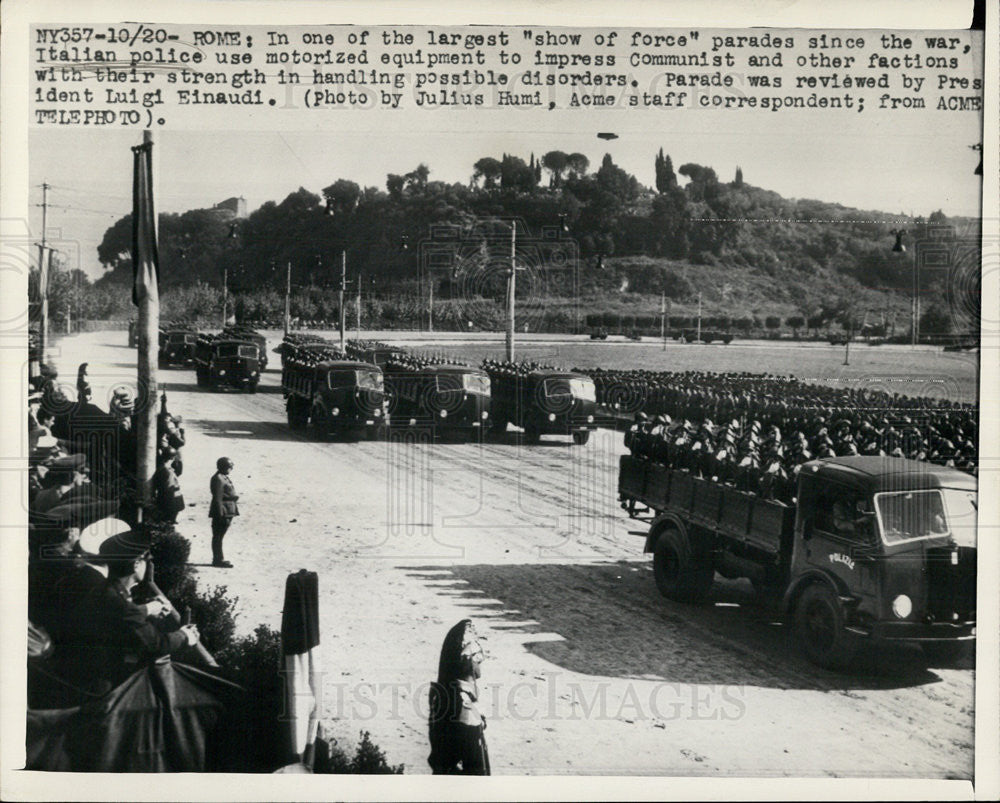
(212,611)
(170,551)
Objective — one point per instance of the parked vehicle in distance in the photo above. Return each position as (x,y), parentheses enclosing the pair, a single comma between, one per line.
(544,402)
(133,334)
(334,397)
(450,400)
(600,334)
(875,548)
(225,361)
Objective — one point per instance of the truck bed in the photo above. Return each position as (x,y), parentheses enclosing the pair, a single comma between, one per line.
(758,523)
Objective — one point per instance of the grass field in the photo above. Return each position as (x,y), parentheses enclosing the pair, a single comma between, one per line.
(925,372)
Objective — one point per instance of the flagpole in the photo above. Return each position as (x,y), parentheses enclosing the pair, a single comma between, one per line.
(148,328)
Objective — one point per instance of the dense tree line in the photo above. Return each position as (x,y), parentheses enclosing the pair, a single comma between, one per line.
(689,218)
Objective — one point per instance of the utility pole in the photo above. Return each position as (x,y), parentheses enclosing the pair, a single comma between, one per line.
(343,288)
(43,281)
(511,288)
(430,304)
(360,277)
(288,297)
(698,338)
(663,319)
(225,293)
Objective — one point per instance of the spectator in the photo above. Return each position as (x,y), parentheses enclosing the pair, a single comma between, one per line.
(169,499)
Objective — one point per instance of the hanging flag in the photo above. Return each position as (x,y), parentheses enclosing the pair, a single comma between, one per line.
(145,258)
(299,643)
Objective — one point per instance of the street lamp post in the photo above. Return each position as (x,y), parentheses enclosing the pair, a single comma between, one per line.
(511,289)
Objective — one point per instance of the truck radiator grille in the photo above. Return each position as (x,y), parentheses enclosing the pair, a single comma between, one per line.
(951,587)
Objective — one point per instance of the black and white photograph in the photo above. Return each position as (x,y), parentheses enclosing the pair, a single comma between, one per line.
(592,399)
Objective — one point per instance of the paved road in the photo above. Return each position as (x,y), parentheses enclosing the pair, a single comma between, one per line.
(589,670)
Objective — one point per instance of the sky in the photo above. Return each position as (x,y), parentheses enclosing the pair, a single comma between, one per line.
(890,162)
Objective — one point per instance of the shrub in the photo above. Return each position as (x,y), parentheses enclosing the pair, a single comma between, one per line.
(254,663)
(212,611)
(170,551)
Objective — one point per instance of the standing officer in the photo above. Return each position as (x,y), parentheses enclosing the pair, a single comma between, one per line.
(222,509)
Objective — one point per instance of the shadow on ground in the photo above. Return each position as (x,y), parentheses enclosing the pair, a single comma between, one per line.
(613,622)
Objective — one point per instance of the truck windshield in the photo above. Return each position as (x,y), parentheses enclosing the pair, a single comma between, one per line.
(911,515)
(370,380)
(248,351)
(230,350)
(476,383)
(962,506)
(341,379)
(583,389)
(179,337)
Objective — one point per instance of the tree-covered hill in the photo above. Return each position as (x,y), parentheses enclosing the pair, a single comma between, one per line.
(743,247)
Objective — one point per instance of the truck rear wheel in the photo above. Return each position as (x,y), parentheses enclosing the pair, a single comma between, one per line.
(819,625)
(580,438)
(679,574)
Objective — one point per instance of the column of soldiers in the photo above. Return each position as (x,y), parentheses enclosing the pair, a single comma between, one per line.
(771,425)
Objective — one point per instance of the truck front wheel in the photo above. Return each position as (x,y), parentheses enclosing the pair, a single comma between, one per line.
(946,653)
(819,625)
(581,437)
(679,574)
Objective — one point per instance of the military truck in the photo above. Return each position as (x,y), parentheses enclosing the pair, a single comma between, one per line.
(178,346)
(226,361)
(543,402)
(243,332)
(335,397)
(450,401)
(875,548)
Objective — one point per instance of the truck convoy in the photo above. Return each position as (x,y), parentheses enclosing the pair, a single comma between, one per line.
(877,548)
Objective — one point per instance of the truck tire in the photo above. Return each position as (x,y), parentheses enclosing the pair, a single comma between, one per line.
(819,626)
(296,420)
(946,653)
(319,421)
(679,574)
(532,435)
(498,426)
(581,438)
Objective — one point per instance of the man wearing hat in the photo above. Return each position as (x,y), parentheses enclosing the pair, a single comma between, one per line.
(129,633)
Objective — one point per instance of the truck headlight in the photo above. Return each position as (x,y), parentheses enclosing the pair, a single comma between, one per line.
(222,372)
(377,412)
(484,415)
(335,411)
(590,419)
(902,606)
(443,413)
(552,416)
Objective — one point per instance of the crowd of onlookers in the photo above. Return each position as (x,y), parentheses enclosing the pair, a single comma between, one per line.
(82,503)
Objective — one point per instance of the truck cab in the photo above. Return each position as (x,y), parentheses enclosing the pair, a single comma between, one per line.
(545,402)
(336,397)
(446,399)
(229,362)
(895,542)
(178,347)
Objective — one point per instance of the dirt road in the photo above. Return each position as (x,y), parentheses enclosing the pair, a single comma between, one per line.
(589,670)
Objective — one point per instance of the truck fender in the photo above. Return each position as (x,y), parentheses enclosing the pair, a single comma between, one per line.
(803,581)
(657,526)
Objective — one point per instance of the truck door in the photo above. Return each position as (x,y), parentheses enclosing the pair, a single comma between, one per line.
(840,538)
